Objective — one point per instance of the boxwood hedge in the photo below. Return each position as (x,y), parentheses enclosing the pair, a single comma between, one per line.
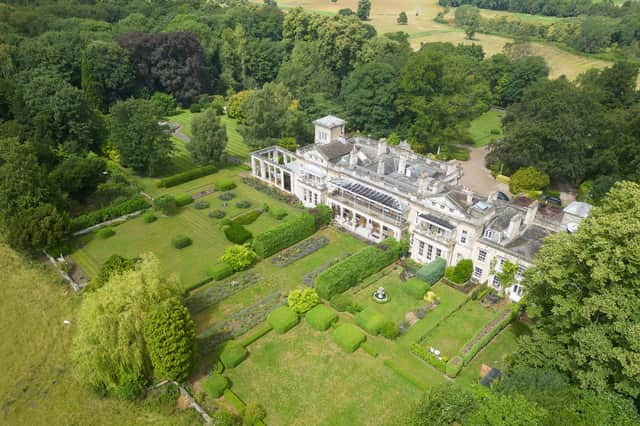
(320,317)
(454,366)
(220,271)
(215,384)
(415,288)
(247,218)
(233,354)
(192,174)
(109,212)
(284,235)
(282,319)
(224,185)
(348,272)
(183,200)
(370,321)
(348,337)
(237,233)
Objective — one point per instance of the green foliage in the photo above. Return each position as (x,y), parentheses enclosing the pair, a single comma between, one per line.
(322,215)
(215,384)
(255,336)
(302,300)
(266,113)
(528,179)
(454,366)
(282,319)
(164,104)
(402,18)
(183,200)
(320,317)
(170,336)
(233,354)
(115,264)
(425,354)
(226,196)
(235,105)
(243,204)
(217,214)
(237,234)
(283,236)
(209,138)
(108,213)
(364,8)
(223,417)
(443,405)
(278,212)
(79,176)
(187,176)
(220,271)
(166,204)
(181,241)
(507,274)
(195,108)
(105,232)
(238,257)
(348,337)
(247,217)
(348,272)
(415,288)
(433,271)
(370,321)
(149,217)
(201,205)
(253,413)
(390,330)
(461,273)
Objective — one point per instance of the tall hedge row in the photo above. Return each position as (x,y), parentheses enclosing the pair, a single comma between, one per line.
(348,272)
(174,180)
(433,271)
(109,212)
(284,235)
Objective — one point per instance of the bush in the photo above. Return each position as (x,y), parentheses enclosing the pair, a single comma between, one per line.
(282,319)
(344,274)
(253,413)
(105,233)
(322,215)
(238,257)
(149,217)
(181,241)
(220,271)
(278,212)
(284,235)
(201,205)
(215,384)
(164,103)
(341,302)
(244,204)
(226,196)
(217,214)
(528,179)
(415,288)
(454,366)
(195,108)
(247,218)
(183,200)
(426,355)
(108,213)
(433,271)
(320,318)
(187,176)
(166,204)
(258,334)
(233,354)
(390,330)
(461,273)
(370,321)
(224,185)
(237,233)
(302,300)
(480,292)
(348,337)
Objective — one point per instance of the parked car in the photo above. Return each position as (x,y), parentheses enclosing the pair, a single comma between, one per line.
(502,196)
(552,199)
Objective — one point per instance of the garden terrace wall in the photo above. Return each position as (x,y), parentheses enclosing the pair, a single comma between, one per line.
(284,235)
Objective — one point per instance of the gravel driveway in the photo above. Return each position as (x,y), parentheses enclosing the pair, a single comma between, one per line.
(477,177)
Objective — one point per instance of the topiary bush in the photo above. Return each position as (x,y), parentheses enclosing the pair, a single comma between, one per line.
(149,217)
(247,218)
(105,233)
(284,235)
(220,271)
(390,330)
(215,384)
(243,204)
(181,241)
(528,179)
(282,319)
(454,366)
(233,354)
(415,288)
(217,214)
(348,337)
(226,196)
(461,273)
(224,185)
(238,257)
(237,233)
(370,321)
(433,271)
(201,205)
(278,212)
(183,200)
(186,176)
(166,204)
(320,317)
(302,300)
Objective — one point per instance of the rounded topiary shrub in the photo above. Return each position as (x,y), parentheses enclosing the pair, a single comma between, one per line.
(226,196)
(181,241)
(244,204)
(201,205)
(233,354)
(217,214)
(282,319)
(149,217)
(106,232)
(390,330)
(215,384)
(224,185)
(184,199)
(415,288)
(237,233)
(321,317)
(348,337)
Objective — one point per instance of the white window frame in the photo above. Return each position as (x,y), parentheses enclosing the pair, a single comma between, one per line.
(482,255)
(463,237)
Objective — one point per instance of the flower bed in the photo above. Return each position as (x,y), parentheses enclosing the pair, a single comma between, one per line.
(298,251)
(202,299)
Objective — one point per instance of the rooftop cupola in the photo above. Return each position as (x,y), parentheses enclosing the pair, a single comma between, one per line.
(328,129)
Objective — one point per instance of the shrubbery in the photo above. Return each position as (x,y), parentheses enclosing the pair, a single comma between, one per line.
(278,212)
(183,200)
(370,321)
(237,233)
(424,353)
(528,179)
(149,217)
(247,218)
(238,257)
(233,354)
(215,384)
(192,174)
(217,214)
(282,319)
(220,271)
(461,273)
(302,300)
(243,204)
(181,241)
(433,271)
(390,330)
(224,185)
(201,205)
(344,303)
(166,204)
(321,317)
(322,215)
(253,414)
(284,235)
(356,267)
(108,213)
(226,196)
(415,288)
(106,232)
(454,366)
(348,337)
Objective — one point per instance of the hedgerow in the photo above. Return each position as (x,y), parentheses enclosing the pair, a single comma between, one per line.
(348,337)
(282,319)
(356,267)
(233,354)
(424,353)
(220,271)
(106,232)
(224,185)
(433,271)
(247,218)
(321,317)
(284,235)
(149,217)
(484,336)
(109,212)
(454,366)
(192,174)
(237,233)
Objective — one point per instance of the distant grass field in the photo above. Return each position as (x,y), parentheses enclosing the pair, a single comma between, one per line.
(481,128)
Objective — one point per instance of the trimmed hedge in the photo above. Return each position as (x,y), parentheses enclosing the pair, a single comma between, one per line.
(181,241)
(237,233)
(234,400)
(284,235)
(247,218)
(105,233)
(233,354)
(461,273)
(282,319)
(433,271)
(348,337)
(108,213)
(192,174)
(484,340)
(454,366)
(255,336)
(215,384)
(415,288)
(320,317)
(224,185)
(220,271)
(183,200)
(426,355)
(370,321)
(369,349)
(348,272)
(149,217)
(322,215)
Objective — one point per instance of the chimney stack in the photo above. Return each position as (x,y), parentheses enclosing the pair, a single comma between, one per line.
(402,163)
(382,147)
(469,197)
(532,210)
(493,196)
(353,157)
(380,166)
(514,226)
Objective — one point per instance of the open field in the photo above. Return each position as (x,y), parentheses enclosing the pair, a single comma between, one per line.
(422,29)
(37,385)
(481,128)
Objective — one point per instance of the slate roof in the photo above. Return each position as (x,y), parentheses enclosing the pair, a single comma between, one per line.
(502,219)
(334,150)
(330,121)
(530,242)
(437,220)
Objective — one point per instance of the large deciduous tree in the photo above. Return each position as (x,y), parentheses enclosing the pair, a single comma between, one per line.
(209,138)
(107,75)
(266,115)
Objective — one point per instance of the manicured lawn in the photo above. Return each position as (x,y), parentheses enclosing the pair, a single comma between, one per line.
(135,237)
(480,128)
(303,377)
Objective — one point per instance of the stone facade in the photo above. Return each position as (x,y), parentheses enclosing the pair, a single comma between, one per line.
(377,191)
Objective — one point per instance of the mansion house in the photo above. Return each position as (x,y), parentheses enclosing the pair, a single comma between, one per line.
(377,191)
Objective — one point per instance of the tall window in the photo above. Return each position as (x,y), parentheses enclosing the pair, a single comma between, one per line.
(496,282)
(438,252)
(482,255)
(477,272)
(463,237)
(429,251)
(420,248)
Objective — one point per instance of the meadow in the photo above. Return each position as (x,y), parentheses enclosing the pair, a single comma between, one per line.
(486,128)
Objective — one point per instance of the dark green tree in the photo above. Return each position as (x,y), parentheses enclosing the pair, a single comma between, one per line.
(364,9)
(402,18)
(79,176)
(107,75)
(209,138)
(266,115)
